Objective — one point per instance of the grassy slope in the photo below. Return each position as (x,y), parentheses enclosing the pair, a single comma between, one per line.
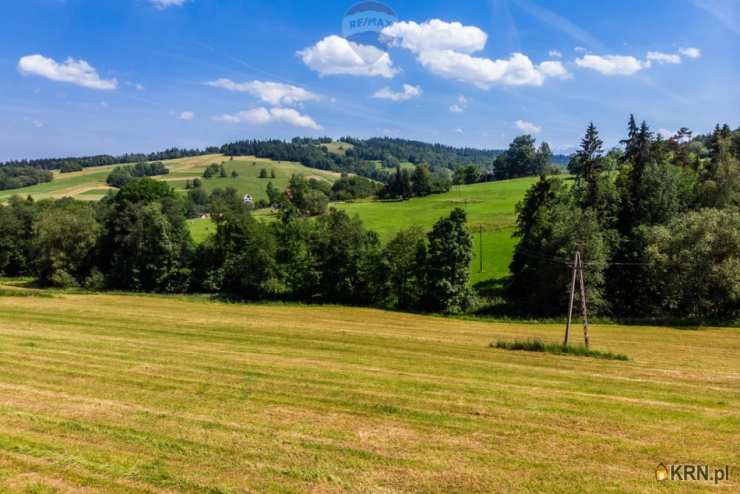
(338,147)
(248,181)
(489,205)
(89,184)
(109,393)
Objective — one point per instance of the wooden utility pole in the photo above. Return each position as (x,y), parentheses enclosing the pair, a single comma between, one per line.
(572,295)
(577,272)
(584,309)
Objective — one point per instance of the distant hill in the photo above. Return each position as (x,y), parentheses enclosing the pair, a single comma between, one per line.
(90,183)
(345,154)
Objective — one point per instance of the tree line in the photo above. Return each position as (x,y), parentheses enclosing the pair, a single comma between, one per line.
(138,239)
(78,163)
(15,177)
(309,197)
(657,224)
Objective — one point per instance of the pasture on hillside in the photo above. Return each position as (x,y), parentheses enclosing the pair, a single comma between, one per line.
(89,184)
(141,394)
(490,206)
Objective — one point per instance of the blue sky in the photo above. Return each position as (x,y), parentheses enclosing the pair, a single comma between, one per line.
(80,77)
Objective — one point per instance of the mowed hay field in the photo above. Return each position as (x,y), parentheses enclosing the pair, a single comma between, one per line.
(89,184)
(124,393)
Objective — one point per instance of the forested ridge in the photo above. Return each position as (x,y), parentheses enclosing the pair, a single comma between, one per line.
(106,159)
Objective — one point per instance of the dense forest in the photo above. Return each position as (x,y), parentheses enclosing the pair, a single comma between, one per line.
(658,225)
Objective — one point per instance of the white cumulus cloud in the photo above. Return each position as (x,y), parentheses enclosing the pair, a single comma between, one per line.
(275,93)
(555,54)
(335,55)
(187,115)
(163,4)
(612,64)
(77,72)
(527,127)
(660,57)
(408,93)
(445,49)
(690,52)
(552,68)
(435,35)
(265,116)
(517,70)
(456,109)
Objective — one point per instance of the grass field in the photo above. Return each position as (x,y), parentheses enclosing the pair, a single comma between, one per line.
(136,394)
(338,147)
(490,207)
(89,184)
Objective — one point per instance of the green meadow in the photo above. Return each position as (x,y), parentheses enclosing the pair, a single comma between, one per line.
(491,210)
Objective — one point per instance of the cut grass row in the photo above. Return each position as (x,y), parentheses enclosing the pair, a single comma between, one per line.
(117,393)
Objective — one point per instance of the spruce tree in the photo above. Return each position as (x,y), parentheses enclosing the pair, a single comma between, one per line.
(587,164)
(630,142)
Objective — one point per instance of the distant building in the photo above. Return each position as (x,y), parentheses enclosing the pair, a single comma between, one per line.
(248,199)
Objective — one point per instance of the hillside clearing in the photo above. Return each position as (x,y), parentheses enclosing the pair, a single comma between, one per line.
(491,208)
(118,393)
(89,184)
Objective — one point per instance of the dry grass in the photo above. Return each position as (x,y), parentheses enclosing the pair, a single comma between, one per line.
(115,393)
